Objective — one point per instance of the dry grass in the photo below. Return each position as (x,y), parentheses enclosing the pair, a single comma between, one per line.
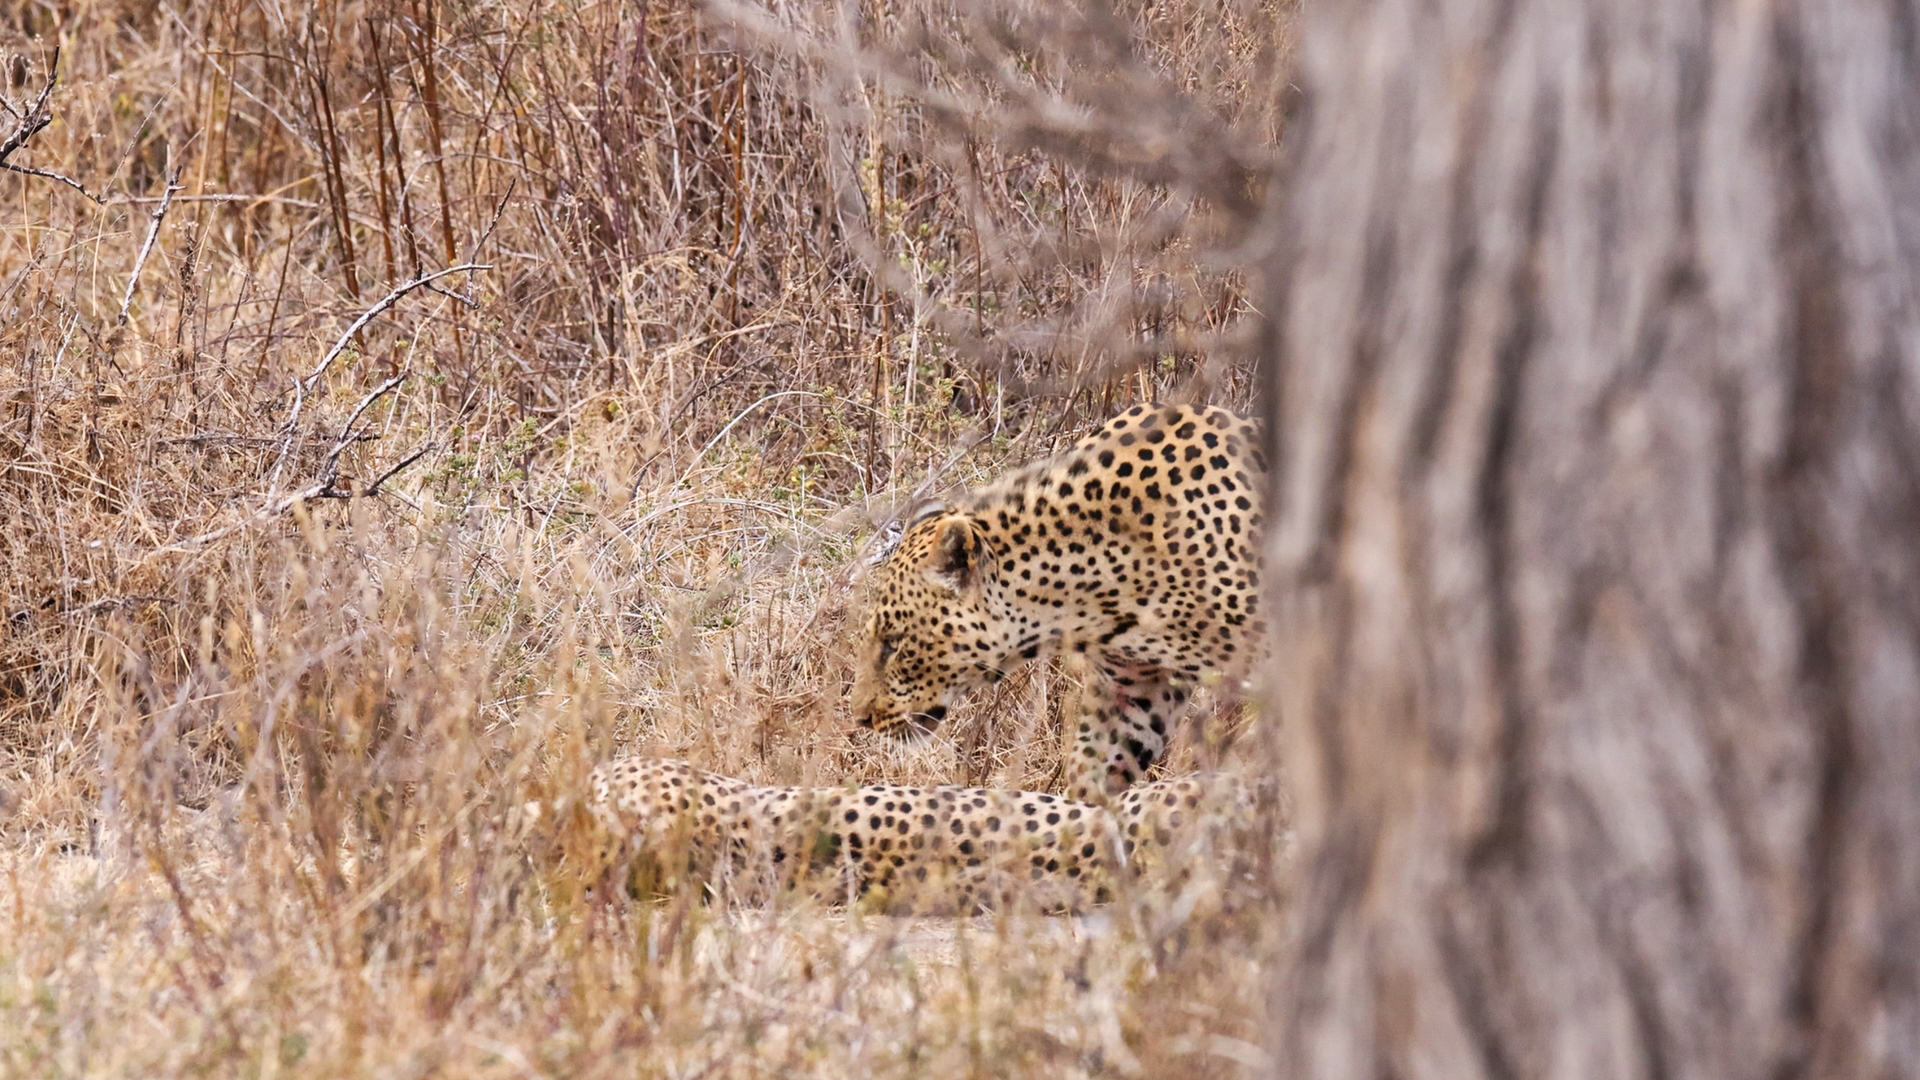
(259,755)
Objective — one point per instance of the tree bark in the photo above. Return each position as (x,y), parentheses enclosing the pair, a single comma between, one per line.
(1594,387)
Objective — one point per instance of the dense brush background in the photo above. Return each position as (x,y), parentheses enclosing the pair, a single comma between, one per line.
(755,276)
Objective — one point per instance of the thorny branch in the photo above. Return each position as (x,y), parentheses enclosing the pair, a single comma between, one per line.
(328,484)
(486,234)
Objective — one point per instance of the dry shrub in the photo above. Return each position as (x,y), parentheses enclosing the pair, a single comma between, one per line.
(262,757)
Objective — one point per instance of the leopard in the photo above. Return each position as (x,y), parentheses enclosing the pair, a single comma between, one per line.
(1138,548)
(893,849)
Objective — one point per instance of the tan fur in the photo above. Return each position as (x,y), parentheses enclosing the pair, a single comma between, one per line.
(932,850)
(1140,547)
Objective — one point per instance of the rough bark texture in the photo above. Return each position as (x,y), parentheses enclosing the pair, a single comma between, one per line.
(1596,556)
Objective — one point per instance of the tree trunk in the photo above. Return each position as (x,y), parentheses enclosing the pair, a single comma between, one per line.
(1595,555)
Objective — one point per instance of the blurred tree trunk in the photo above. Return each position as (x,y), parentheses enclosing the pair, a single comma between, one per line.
(1595,380)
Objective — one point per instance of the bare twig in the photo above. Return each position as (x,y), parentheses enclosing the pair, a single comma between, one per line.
(493,222)
(323,489)
(230,438)
(153,231)
(375,311)
(49,174)
(286,438)
(36,118)
(330,473)
(31,123)
(374,488)
(346,431)
(221,197)
(116,603)
(458,298)
(328,484)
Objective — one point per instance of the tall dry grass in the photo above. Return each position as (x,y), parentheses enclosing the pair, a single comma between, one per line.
(262,756)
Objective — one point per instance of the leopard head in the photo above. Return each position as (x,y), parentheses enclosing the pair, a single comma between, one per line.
(931,629)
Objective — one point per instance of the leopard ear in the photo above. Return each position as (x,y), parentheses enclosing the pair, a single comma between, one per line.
(887,540)
(926,511)
(958,554)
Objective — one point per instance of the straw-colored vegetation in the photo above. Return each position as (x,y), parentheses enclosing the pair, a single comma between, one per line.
(263,743)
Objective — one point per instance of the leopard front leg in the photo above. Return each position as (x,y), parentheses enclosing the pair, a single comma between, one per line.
(1125,715)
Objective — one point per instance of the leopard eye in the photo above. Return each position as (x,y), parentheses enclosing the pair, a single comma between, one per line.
(887,646)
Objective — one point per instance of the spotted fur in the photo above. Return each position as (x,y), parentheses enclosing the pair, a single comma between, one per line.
(1139,547)
(925,850)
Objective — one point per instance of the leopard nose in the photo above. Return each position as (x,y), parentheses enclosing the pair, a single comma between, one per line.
(865,720)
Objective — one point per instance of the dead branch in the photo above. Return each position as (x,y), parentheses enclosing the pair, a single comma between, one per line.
(49,174)
(346,430)
(327,485)
(287,437)
(330,472)
(31,123)
(233,438)
(374,488)
(486,234)
(153,232)
(322,489)
(375,311)
(34,120)
(115,603)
